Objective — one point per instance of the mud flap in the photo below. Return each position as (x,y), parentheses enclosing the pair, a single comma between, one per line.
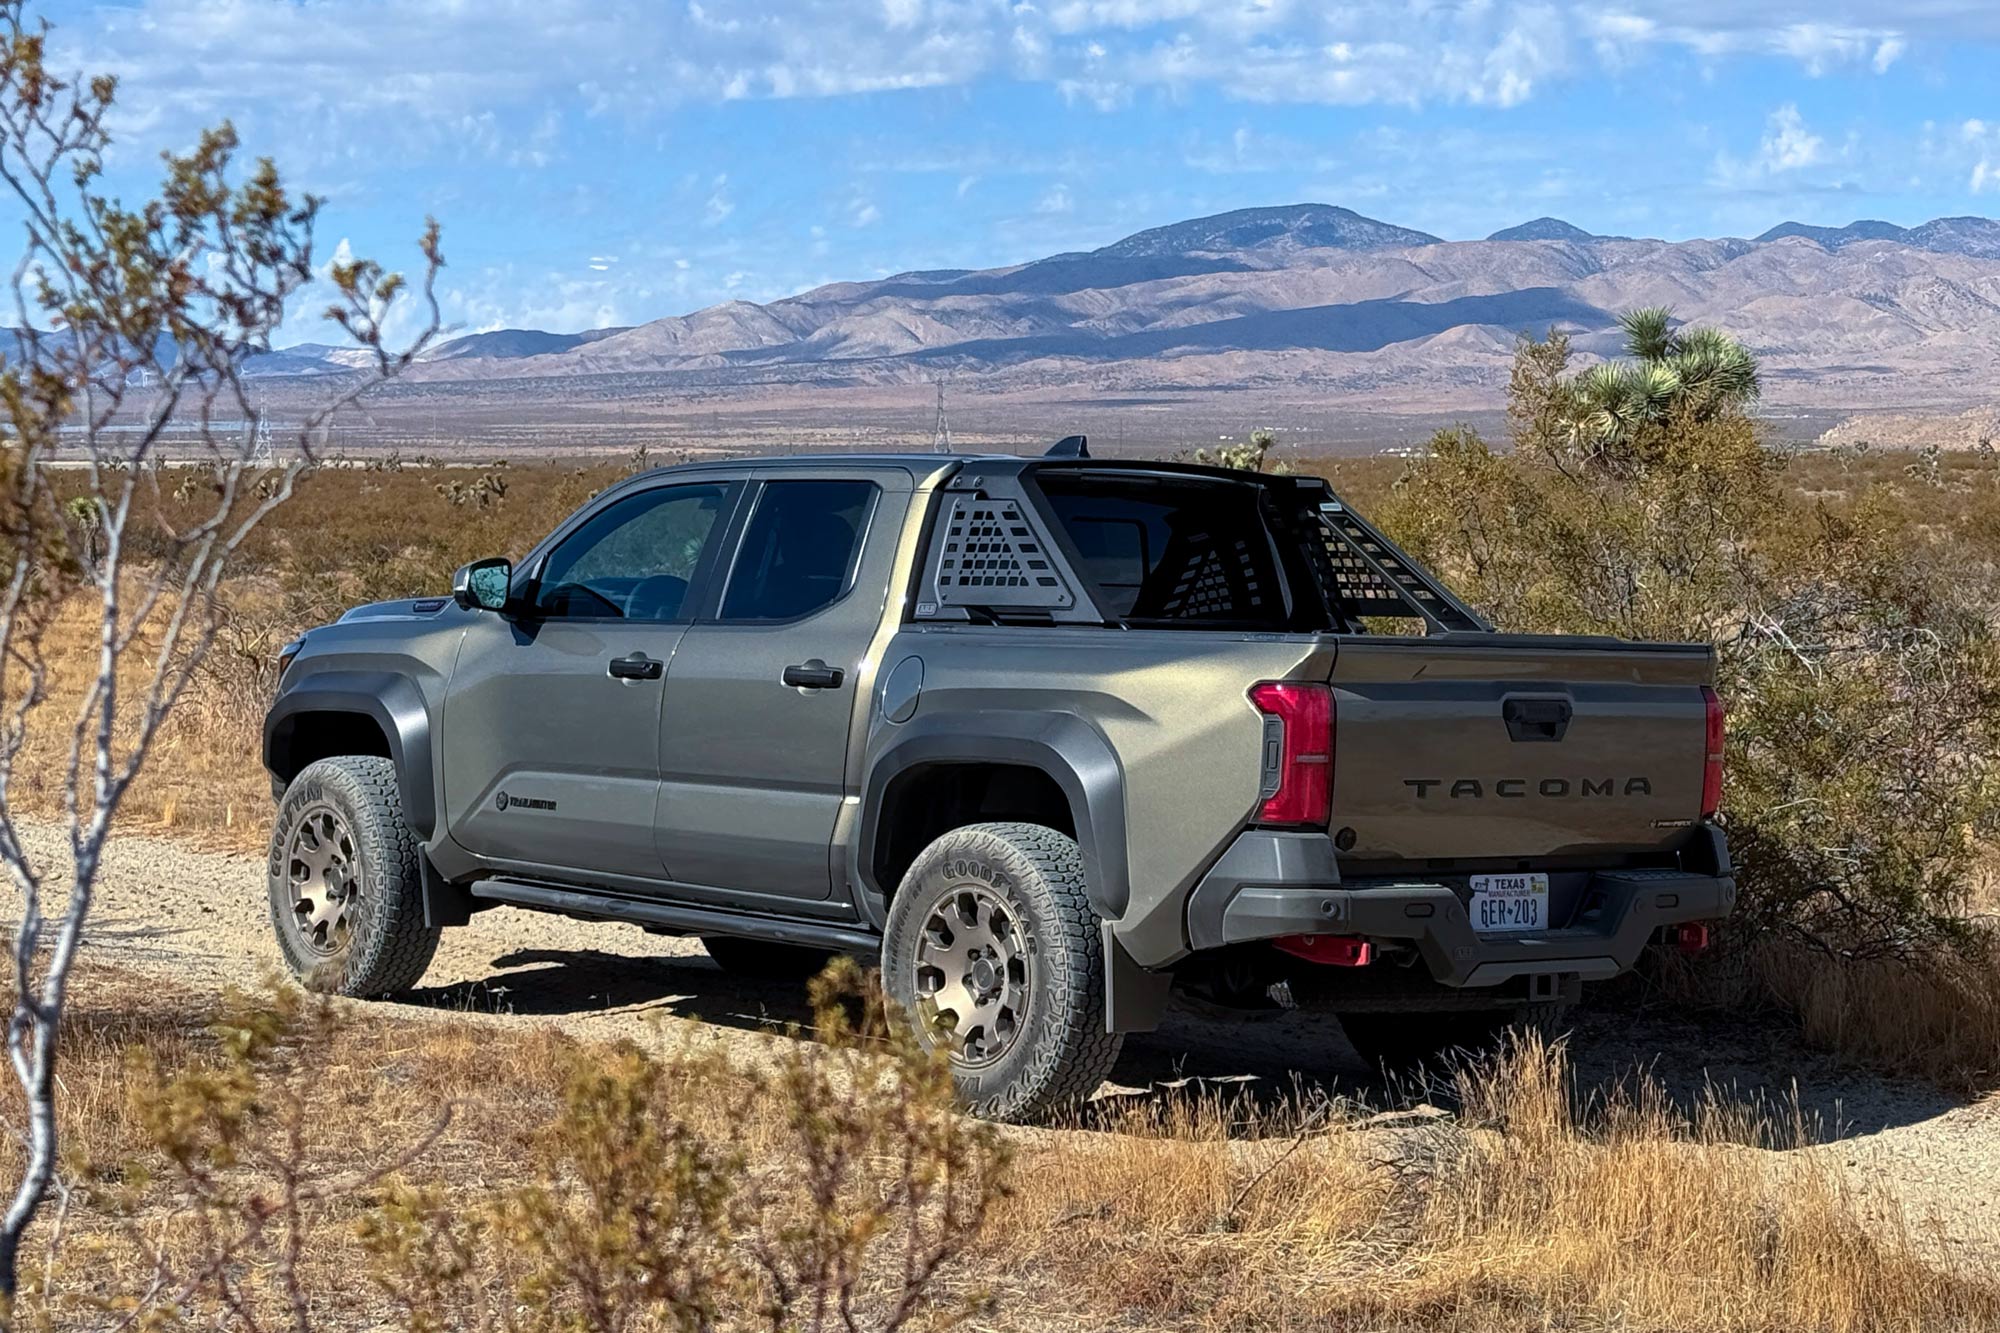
(445,903)
(1134,999)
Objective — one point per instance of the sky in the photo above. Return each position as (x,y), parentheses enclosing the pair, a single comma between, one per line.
(606,162)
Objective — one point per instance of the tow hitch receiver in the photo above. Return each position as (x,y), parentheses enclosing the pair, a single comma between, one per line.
(1333,950)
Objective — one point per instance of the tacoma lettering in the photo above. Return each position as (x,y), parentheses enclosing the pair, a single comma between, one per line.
(1516,788)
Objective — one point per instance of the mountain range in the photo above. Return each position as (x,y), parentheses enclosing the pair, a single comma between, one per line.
(1310,299)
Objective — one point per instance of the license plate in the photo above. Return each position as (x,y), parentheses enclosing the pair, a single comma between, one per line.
(1502,903)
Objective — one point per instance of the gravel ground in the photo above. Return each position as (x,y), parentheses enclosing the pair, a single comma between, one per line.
(199,916)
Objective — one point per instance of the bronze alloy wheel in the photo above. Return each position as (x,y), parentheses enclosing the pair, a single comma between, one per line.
(972,975)
(993,949)
(324,873)
(344,880)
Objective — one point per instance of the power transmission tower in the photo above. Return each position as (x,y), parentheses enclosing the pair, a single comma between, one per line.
(261,453)
(941,433)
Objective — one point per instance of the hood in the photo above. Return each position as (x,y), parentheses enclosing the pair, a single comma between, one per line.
(403,608)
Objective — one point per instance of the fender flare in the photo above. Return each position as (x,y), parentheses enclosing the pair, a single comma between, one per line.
(395,703)
(1065,747)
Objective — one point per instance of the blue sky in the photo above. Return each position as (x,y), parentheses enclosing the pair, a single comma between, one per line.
(610,161)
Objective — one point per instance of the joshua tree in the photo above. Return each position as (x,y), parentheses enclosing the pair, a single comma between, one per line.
(133,324)
(1700,372)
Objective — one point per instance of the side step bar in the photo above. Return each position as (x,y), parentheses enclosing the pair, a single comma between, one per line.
(677,916)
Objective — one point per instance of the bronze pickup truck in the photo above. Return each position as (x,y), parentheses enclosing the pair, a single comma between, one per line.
(1047,736)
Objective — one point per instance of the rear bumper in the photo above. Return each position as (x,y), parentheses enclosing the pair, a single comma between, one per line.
(1270,884)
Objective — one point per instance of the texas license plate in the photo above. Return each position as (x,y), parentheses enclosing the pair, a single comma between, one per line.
(1509,903)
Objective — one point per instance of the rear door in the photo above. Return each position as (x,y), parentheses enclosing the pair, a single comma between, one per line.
(760,702)
(552,718)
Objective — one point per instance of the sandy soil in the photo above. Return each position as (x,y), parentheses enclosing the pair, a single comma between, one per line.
(200,917)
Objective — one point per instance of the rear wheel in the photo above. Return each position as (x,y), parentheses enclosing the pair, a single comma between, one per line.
(993,949)
(346,891)
(1399,1041)
(761,958)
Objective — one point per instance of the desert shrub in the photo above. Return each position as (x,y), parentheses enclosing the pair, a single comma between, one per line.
(1249,456)
(1858,660)
(831,1192)
(833,1188)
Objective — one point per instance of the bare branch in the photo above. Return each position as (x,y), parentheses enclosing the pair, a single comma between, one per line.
(134,326)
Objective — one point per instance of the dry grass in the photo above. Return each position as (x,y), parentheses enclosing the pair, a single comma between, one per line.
(348,536)
(204,777)
(1934,1016)
(1518,1212)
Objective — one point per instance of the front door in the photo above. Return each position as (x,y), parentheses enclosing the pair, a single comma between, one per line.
(760,700)
(552,716)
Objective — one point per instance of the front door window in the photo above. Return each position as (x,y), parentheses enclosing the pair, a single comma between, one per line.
(634,559)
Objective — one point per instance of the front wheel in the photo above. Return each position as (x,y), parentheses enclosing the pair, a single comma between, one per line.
(346,891)
(994,951)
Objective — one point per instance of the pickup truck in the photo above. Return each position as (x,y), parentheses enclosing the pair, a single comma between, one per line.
(1050,737)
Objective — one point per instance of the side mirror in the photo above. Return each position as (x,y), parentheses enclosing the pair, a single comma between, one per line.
(482,585)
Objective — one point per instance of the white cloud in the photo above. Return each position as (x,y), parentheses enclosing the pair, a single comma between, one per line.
(1056,201)
(863,213)
(1620,38)
(1788,144)
(1788,147)
(1822,47)
(1980,142)
(719,206)
(340,68)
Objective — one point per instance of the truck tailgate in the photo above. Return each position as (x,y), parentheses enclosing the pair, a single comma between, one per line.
(1476,750)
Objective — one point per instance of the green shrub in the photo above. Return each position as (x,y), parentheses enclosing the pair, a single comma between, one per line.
(1857,657)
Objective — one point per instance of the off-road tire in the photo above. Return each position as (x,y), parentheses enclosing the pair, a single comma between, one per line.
(388,946)
(1404,1041)
(1061,1052)
(764,959)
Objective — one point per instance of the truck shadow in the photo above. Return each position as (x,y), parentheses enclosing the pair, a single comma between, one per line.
(1264,1067)
(573,983)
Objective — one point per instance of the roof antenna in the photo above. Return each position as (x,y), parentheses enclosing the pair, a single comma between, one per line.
(1069,446)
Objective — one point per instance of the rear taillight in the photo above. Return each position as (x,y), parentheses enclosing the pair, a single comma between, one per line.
(1298,752)
(1711,771)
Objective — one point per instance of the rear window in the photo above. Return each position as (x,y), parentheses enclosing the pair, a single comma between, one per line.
(798,552)
(1164,551)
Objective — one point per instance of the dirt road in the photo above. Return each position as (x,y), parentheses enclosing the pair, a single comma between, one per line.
(199,917)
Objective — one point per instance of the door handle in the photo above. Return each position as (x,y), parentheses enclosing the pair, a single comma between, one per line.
(1536,719)
(814,675)
(637,667)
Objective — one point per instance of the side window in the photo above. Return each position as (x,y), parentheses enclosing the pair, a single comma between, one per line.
(798,551)
(634,559)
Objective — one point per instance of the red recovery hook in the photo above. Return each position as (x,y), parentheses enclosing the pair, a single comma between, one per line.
(1333,950)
